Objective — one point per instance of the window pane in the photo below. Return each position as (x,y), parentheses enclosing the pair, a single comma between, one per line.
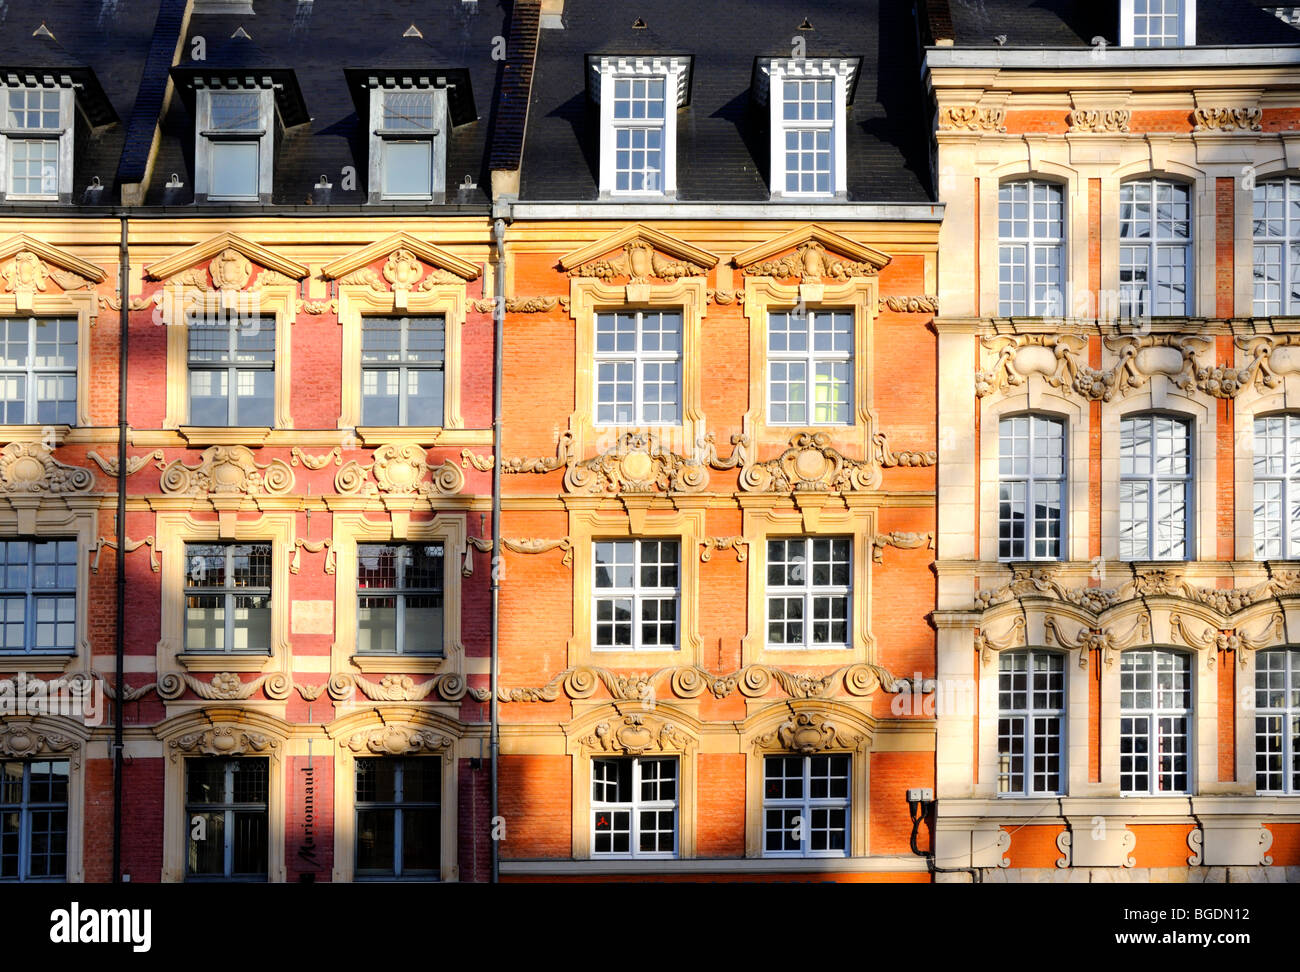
(408,169)
(234,170)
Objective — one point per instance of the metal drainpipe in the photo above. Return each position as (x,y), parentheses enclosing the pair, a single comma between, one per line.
(498,336)
(124,290)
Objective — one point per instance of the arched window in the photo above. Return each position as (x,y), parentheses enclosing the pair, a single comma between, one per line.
(1155,490)
(1277,247)
(1277,487)
(1031,249)
(1155,699)
(1277,721)
(1031,487)
(1155,253)
(1031,722)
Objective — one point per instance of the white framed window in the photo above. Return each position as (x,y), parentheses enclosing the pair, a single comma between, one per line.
(398,818)
(1155,697)
(226,819)
(1155,253)
(228,598)
(1277,487)
(399,598)
(1276,231)
(638,367)
(232,372)
(1155,489)
(1277,721)
(638,99)
(403,370)
(38,371)
(1157,23)
(634,802)
(409,143)
(806,805)
(233,156)
(38,134)
(637,593)
(1031,249)
(1031,722)
(1031,487)
(38,597)
(33,820)
(809,592)
(807,105)
(810,367)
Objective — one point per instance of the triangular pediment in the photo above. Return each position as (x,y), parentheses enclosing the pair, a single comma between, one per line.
(425,252)
(191,256)
(810,248)
(53,256)
(683,259)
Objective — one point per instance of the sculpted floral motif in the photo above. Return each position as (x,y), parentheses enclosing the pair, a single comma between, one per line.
(133,463)
(1057,357)
(811,262)
(640,263)
(394,688)
(22,739)
(725,297)
(69,280)
(1103,640)
(910,305)
(25,273)
(710,544)
(402,270)
(481,463)
(903,539)
(362,277)
(1227,119)
(887,458)
(1227,639)
(223,740)
(1099,119)
(636,734)
(636,463)
(224,686)
(810,463)
(399,469)
(988,645)
(315,462)
(230,270)
(970,118)
(227,469)
(28,467)
(536,545)
(806,732)
(394,740)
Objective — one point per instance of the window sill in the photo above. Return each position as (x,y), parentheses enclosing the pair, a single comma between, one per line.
(386,664)
(224,663)
(424,435)
(54,435)
(18,662)
(204,435)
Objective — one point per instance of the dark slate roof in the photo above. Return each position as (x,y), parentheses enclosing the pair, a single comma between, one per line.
(153,86)
(721,138)
(1072,23)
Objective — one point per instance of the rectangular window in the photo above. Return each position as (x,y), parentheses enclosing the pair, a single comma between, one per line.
(634,807)
(228,598)
(232,373)
(1031,721)
(1155,693)
(34,159)
(234,138)
(638,366)
(1277,487)
(399,598)
(33,820)
(1277,247)
(402,370)
(1031,487)
(809,592)
(808,118)
(810,368)
(639,118)
(1155,229)
(38,371)
(1031,249)
(409,129)
(1157,23)
(399,828)
(806,805)
(38,601)
(226,819)
(636,593)
(1277,721)
(1155,488)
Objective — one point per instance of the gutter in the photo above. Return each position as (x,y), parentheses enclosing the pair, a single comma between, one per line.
(673,210)
(119,662)
(498,335)
(1111,57)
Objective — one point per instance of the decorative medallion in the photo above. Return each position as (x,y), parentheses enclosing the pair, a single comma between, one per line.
(227,469)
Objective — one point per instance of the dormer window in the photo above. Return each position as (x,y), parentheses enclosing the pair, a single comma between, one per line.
(1157,23)
(234,152)
(807,101)
(638,99)
(408,138)
(37,146)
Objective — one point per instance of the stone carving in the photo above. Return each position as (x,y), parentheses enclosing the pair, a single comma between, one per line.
(1140,359)
(400,470)
(362,277)
(309,693)
(394,688)
(224,740)
(636,463)
(1195,844)
(564,456)
(909,305)
(635,734)
(402,270)
(1271,358)
(437,277)
(313,546)
(1099,119)
(902,539)
(318,307)
(1057,357)
(706,452)
(133,463)
(227,469)
(102,542)
(195,278)
(1104,640)
(224,686)
(230,270)
(811,263)
(130,694)
(806,732)
(69,280)
(316,462)
(1227,639)
(394,740)
(521,305)
(450,686)
(640,263)
(25,273)
(1227,119)
(987,645)
(710,544)
(810,463)
(536,545)
(22,739)
(28,467)
(481,463)
(969,118)
(273,278)
(887,458)
(725,297)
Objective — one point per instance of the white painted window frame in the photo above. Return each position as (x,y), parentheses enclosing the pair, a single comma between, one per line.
(638,358)
(1289,245)
(1286,713)
(1029,713)
(637,594)
(634,807)
(674,72)
(1128,23)
(63,135)
(380,137)
(1032,245)
(1153,714)
(1031,480)
(806,804)
(1288,484)
(206,137)
(809,591)
(810,358)
(1154,480)
(778,70)
(1154,244)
